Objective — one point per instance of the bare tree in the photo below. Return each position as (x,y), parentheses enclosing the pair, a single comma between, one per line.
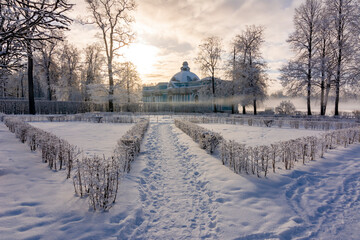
(33,21)
(209,57)
(113,19)
(324,61)
(129,83)
(68,85)
(47,62)
(92,67)
(344,25)
(304,43)
(250,67)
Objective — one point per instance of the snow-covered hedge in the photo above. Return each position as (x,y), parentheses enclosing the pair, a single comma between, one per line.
(81,117)
(315,124)
(98,177)
(258,160)
(58,153)
(207,139)
(93,176)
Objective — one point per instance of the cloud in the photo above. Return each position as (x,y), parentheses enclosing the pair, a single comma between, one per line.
(176,28)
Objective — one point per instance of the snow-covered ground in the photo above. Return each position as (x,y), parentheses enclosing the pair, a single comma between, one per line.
(92,138)
(175,190)
(254,136)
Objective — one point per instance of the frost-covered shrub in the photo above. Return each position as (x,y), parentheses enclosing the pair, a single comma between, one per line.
(58,153)
(285,108)
(95,177)
(98,177)
(298,123)
(257,160)
(207,139)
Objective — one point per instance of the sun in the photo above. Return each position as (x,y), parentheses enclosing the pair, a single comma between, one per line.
(143,56)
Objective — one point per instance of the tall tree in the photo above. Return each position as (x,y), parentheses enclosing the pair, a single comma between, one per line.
(113,19)
(324,61)
(35,20)
(209,57)
(344,24)
(250,67)
(303,42)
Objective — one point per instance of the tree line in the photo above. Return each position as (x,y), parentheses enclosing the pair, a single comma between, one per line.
(326,46)
(34,52)
(245,69)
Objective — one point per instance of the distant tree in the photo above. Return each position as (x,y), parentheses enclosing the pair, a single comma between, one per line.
(68,84)
(250,67)
(31,21)
(92,68)
(298,74)
(113,19)
(209,57)
(344,26)
(129,83)
(47,61)
(285,108)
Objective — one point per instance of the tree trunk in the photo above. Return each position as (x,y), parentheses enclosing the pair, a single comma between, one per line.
(244,109)
(213,90)
(308,98)
(48,82)
(31,80)
(322,97)
(255,112)
(111,86)
(328,86)
(339,60)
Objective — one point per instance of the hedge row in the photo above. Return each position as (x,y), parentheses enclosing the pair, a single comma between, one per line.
(58,153)
(207,139)
(258,160)
(98,177)
(278,122)
(93,176)
(81,117)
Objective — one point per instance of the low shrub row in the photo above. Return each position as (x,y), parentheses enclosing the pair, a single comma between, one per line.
(277,122)
(256,160)
(81,117)
(93,176)
(98,177)
(58,153)
(207,139)
(259,160)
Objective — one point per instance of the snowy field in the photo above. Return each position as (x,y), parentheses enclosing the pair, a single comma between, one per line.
(254,136)
(92,138)
(177,191)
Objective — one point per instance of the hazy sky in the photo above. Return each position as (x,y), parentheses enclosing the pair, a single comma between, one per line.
(169,31)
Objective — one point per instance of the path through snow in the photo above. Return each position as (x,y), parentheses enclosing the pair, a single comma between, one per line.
(175,190)
(176,202)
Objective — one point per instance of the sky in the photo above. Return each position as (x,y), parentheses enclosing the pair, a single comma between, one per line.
(168,32)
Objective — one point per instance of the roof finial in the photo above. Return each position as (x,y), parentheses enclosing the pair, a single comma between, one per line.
(185,67)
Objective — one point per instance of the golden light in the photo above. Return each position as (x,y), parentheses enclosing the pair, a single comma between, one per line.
(143,56)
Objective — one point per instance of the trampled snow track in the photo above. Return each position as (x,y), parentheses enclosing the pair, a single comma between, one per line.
(176,203)
(326,201)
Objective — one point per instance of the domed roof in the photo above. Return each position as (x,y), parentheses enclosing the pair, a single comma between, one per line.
(184,76)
